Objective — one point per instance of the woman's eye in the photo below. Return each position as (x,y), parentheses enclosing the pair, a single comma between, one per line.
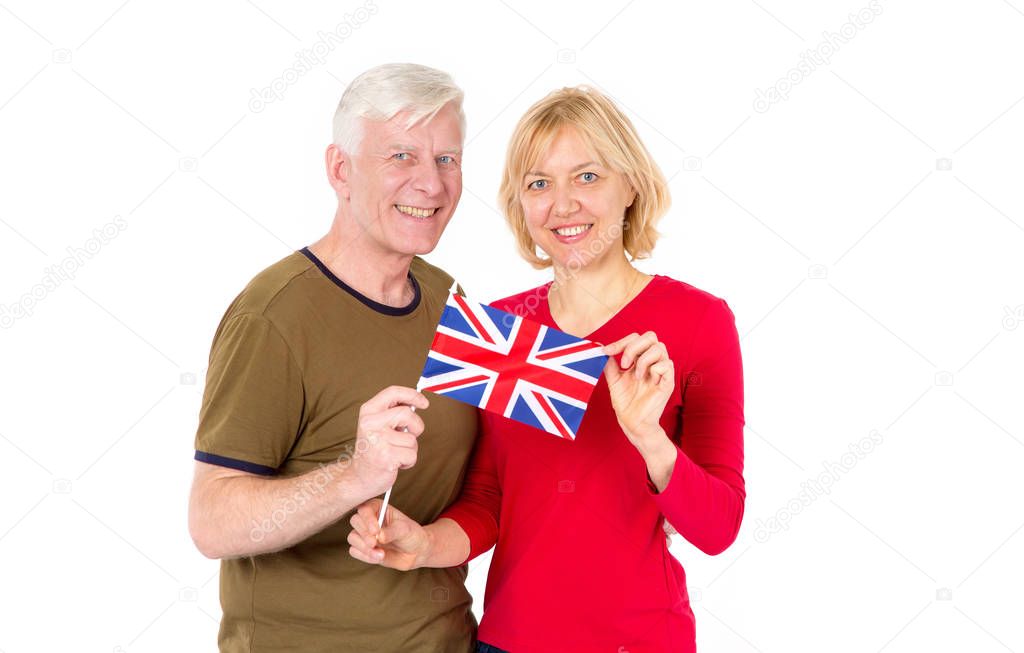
(539,184)
(588,177)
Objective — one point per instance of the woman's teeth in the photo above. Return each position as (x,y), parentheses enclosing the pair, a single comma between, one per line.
(415,212)
(573,231)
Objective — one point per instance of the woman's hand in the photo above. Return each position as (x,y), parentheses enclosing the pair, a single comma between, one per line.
(402,544)
(640,384)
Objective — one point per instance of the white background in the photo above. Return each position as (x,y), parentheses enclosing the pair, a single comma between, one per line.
(876,288)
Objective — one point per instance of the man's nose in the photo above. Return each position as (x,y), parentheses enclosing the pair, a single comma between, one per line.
(427,179)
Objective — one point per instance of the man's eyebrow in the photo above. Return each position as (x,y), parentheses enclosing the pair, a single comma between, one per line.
(414,148)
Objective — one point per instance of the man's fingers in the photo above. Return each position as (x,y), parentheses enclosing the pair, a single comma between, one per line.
(393,396)
(402,417)
(404,458)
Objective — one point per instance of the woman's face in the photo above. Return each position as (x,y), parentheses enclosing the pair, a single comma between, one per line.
(574,206)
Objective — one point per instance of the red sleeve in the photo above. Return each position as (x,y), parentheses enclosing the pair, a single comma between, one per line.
(479,505)
(704,498)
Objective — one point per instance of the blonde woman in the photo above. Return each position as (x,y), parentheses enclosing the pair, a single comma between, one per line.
(581,562)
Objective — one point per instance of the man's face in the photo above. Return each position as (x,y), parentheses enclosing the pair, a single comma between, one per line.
(404,184)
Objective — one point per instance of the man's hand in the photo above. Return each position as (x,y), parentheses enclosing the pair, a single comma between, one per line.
(386,437)
(402,544)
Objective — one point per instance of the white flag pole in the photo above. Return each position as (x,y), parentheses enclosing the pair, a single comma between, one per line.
(387,495)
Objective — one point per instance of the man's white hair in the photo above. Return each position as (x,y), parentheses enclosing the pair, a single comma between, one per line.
(383,91)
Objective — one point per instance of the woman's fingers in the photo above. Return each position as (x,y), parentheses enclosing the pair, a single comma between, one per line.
(366,552)
(359,555)
(368,513)
(663,371)
(635,347)
(613,349)
(655,353)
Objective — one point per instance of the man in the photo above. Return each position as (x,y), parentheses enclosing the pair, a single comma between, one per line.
(308,409)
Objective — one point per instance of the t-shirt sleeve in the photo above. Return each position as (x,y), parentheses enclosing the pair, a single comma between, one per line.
(253,402)
(704,499)
(478,508)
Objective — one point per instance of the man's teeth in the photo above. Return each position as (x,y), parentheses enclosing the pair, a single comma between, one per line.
(415,212)
(572,231)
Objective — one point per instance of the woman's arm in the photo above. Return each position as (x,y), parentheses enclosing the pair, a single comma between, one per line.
(698,484)
(403,544)
(706,494)
(463,531)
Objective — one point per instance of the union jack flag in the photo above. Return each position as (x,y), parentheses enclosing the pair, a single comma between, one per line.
(512,366)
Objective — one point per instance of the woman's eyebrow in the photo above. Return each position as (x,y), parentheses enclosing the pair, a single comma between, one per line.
(538,173)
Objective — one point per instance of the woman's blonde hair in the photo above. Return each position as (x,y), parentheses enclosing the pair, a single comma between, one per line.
(611,137)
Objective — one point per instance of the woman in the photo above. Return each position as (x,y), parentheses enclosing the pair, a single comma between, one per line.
(581,561)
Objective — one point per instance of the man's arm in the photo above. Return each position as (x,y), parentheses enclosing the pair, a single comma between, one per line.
(234,513)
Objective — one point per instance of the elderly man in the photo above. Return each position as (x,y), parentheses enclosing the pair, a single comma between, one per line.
(308,411)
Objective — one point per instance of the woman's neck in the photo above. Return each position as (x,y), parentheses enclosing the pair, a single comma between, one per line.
(583,299)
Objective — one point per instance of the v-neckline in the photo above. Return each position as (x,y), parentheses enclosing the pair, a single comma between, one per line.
(606,323)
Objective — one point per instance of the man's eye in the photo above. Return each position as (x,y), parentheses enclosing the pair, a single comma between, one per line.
(588,177)
(446,159)
(402,156)
(538,184)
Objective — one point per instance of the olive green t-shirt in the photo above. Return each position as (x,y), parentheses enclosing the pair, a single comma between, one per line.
(295,356)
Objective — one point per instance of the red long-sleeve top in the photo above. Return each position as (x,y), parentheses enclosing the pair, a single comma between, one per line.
(581,560)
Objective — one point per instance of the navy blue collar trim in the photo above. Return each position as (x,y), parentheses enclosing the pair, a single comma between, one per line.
(377,306)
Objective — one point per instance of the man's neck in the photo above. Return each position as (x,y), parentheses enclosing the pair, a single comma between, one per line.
(372,272)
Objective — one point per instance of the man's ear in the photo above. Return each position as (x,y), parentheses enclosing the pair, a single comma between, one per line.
(339,167)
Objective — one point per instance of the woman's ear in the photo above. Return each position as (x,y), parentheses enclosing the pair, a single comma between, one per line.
(632,197)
